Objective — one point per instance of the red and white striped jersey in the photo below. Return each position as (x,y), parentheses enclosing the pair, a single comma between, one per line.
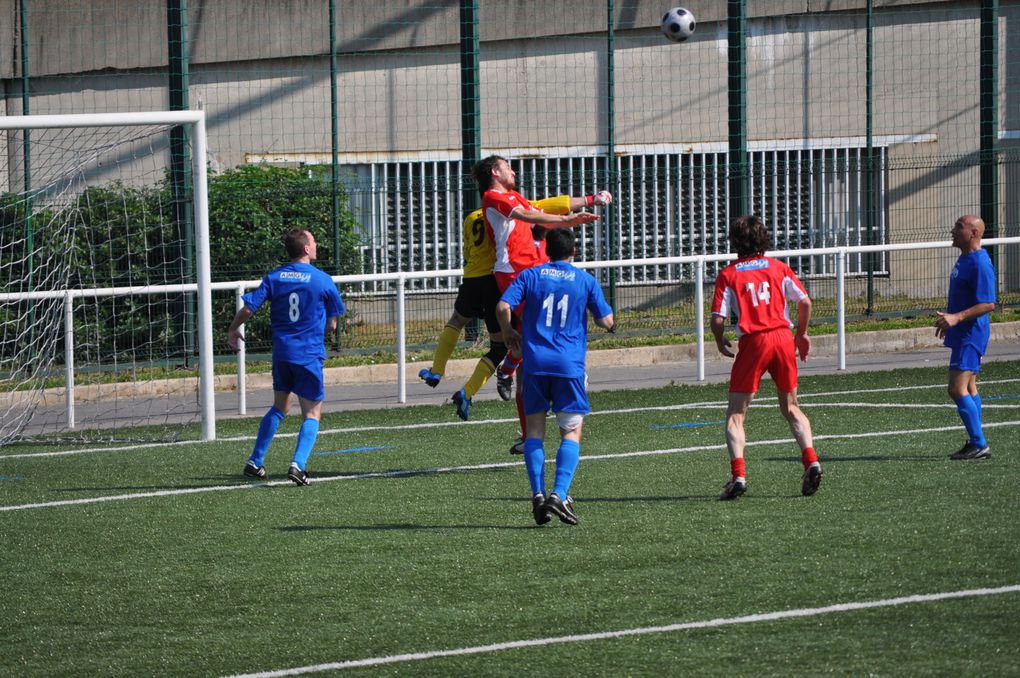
(757,290)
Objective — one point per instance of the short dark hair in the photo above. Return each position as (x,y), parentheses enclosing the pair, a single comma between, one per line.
(482,171)
(748,236)
(559,243)
(295,242)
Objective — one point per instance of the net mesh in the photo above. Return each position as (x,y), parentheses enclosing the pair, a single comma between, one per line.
(94,211)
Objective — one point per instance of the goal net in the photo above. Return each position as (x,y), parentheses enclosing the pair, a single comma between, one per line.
(101,321)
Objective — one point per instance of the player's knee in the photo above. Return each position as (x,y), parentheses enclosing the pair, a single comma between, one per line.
(569,421)
(497,351)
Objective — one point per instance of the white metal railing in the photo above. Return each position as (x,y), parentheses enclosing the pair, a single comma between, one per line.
(401,279)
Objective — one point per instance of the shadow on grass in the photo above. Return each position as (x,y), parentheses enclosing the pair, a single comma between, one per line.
(399,526)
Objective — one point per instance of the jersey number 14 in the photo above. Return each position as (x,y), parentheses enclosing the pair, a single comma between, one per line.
(761,295)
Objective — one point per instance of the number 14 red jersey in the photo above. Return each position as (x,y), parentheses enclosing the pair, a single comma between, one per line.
(757,289)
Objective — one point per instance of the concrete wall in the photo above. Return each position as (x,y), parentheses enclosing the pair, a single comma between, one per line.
(261,71)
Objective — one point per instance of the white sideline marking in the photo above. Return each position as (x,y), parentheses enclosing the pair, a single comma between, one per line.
(475,467)
(482,422)
(640,631)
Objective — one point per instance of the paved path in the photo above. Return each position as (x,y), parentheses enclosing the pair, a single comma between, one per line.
(643,368)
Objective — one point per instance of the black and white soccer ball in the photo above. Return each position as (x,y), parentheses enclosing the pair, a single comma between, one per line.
(678,24)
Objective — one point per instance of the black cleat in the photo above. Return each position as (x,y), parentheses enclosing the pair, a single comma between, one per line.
(517,447)
(972,451)
(733,489)
(564,510)
(463,404)
(429,377)
(256,472)
(812,479)
(298,476)
(538,509)
(504,385)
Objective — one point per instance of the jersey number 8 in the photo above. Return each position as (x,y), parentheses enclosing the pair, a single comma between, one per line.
(294,303)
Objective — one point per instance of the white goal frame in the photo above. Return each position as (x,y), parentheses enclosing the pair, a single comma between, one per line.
(196,121)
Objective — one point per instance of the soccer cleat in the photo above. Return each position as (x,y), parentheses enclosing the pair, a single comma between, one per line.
(538,509)
(517,447)
(256,472)
(733,489)
(564,510)
(298,476)
(812,479)
(430,377)
(504,385)
(463,404)
(972,451)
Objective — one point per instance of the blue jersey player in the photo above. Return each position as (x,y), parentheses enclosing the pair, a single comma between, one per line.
(557,297)
(964,328)
(303,305)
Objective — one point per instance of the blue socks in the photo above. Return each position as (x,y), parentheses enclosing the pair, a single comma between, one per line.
(267,429)
(305,442)
(566,464)
(534,462)
(969,409)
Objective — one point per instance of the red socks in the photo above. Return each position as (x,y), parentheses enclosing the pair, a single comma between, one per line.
(737,468)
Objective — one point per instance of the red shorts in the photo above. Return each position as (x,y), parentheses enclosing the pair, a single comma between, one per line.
(503,280)
(772,351)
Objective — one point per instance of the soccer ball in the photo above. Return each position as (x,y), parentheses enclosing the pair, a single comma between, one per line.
(678,24)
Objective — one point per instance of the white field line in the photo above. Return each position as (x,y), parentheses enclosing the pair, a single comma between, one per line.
(482,422)
(799,613)
(473,467)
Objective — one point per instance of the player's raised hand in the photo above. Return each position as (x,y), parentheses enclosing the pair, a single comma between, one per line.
(602,199)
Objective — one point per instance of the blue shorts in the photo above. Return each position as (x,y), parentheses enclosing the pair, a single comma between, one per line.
(561,394)
(965,358)
(303,380)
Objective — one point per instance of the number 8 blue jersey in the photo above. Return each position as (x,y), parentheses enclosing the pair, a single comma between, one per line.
(301,298)
(556,298)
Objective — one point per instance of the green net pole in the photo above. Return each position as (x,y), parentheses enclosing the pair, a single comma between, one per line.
(334,181)
(869,154)
(611,145)
(737,96)
(989,115)
(26,153)
(180,156)
(334,121)
(470,120)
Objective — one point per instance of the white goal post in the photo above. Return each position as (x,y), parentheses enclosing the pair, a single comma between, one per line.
(196,121)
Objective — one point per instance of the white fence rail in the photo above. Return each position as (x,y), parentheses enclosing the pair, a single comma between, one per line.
(402,279)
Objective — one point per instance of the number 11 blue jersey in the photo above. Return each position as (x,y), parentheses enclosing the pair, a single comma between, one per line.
(556,298)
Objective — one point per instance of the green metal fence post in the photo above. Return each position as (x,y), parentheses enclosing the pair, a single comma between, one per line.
(26,155)
(470,119)
(989,125)
(869,177)
(736,23)
(180,156)
(611,144)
